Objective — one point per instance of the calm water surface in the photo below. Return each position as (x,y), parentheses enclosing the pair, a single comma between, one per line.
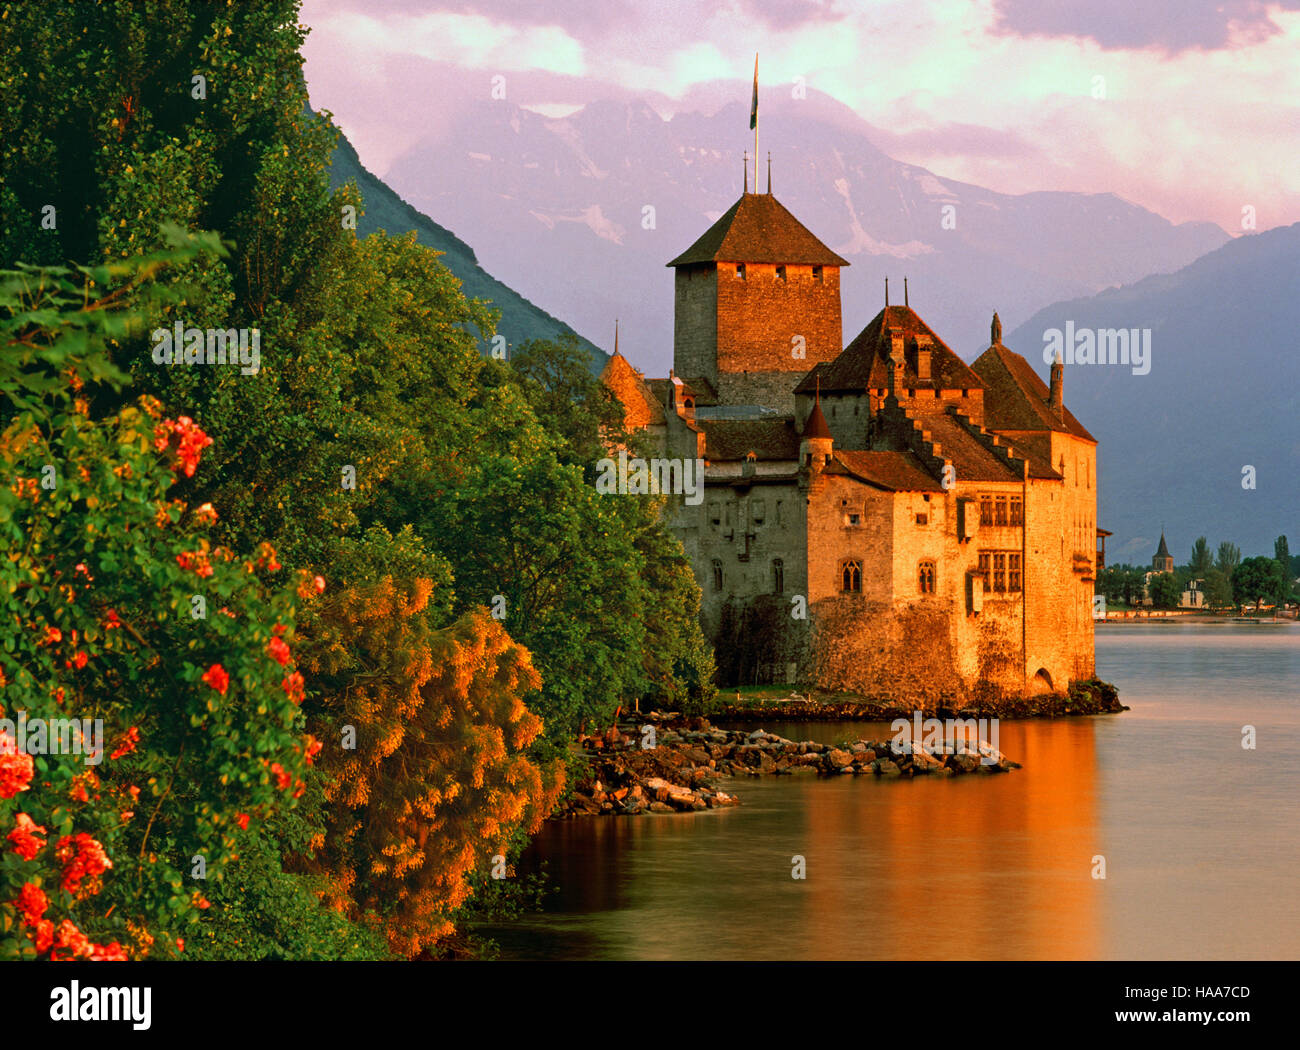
(1200,837)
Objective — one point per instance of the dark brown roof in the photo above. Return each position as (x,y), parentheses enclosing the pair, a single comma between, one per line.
(758,228)
(969,456)
(864,363)
(1016,397)
(768,438)
(815,426)
(701,389)
(895,471)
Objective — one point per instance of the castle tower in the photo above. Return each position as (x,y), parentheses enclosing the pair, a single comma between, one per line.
(757,304)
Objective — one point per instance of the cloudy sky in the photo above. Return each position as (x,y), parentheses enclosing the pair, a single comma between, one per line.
(1189,107)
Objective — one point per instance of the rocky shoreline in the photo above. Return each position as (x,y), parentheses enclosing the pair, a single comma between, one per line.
(679,773)
(1092,697)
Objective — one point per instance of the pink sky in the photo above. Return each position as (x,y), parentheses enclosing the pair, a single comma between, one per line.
(1198,115)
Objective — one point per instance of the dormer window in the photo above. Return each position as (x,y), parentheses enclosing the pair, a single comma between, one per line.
(740,271)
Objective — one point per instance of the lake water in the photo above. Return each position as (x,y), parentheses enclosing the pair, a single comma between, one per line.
(1200,837)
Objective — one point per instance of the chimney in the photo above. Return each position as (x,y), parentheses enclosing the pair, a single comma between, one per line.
(923,356)
(1056,399)
(895,362)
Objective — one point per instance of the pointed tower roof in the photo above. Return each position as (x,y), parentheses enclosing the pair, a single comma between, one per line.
(640,405)
(1016,398)
(864,363)
(1163,551)
(759,229)
(815,426)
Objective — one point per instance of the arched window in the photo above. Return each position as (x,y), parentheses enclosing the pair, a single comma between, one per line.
(778,576)
(851,578)
(925,577)
(717,575)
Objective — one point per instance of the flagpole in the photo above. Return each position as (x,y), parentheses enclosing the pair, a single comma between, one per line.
(755,121)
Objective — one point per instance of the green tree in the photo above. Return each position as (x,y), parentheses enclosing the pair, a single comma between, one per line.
(1282,552)
(1202,560)
(1257,580)
(1164,591)
(1218,589)
(1228,559)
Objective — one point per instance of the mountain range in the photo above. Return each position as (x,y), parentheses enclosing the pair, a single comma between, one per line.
(557,209)
(582,212)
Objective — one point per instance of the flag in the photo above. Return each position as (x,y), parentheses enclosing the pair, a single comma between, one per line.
(753,105)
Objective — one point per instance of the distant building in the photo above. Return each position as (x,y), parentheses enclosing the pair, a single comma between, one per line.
(1163,560)
(881,517)
(1194,596)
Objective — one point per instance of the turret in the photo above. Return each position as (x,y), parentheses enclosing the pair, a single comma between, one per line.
(816,444)
(1056,398)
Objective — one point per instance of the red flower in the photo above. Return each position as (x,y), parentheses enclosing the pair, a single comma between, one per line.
(279,651)
(32,902)
(128,743)
(82,857)
(191,441)
(313,748)
(206,514)
(198,561)
(16,768)
(282,779)
(79,661)
(242,820)
(266,559)
(25,837)
(216,677)
(320,584)
(292,686)
(112,621)
(44,935)
(111,952)
(52,635)
(72,939)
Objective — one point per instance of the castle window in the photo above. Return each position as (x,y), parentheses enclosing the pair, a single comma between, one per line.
(715,515)
(1000,511)
(717,575)
(740,271)
(756,511)
(923,519)
(984,569)
(999,573)
(1017,511)
(778,576)
(851,578)
(778,512)
(986,509)
(817,275)
(780,273)
(852,519)
(832,411)
(1013,573)
(925,577)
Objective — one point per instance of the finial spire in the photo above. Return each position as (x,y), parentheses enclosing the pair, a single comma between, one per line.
(746,162)
(905,303)
(769,173)
(615,335)
(886,291)
(995,330)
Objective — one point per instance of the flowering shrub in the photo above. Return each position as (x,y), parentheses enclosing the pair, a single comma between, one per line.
(202,734)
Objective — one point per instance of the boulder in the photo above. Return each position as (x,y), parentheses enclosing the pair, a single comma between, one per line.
(837,758)
(886,767)
(659,807)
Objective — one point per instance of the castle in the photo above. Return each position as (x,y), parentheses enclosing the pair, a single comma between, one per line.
(878,518)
